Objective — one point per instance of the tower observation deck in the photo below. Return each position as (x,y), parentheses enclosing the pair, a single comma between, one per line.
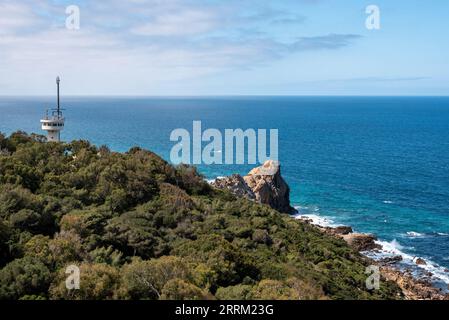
(53,122)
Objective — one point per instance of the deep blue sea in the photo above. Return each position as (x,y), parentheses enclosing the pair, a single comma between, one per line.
(379,164)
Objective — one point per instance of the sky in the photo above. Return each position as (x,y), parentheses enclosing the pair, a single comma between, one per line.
(224,47)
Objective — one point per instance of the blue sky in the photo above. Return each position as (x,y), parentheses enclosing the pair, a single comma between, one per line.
(232,47)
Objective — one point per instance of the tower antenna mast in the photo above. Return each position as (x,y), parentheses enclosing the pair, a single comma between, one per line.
(59,107)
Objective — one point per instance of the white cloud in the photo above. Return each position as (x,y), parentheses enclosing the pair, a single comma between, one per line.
(15,16)
(134,47)
(188,22)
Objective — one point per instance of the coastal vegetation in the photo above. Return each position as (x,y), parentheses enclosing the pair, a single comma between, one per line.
(140,228)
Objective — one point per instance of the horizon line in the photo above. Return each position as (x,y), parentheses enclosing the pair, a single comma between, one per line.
(221,95)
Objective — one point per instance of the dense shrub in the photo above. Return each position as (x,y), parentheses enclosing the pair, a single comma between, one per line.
(98,282)
(26,276)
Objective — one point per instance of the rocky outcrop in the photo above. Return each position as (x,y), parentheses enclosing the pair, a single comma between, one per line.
(340,230)
(269,187)
(413,289)
(361,242)
(236,185)
(390,260)
(263,184)
(343,230)
(357,241)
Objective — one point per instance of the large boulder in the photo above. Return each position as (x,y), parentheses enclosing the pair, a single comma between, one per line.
(263,184)
(338,231)
(361,242)
(420,262)
(269,187)
(390,260)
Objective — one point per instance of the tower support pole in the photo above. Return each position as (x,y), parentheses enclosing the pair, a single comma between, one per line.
(57,82)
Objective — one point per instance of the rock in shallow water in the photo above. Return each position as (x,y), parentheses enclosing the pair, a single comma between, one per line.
(391,260)
(420,262)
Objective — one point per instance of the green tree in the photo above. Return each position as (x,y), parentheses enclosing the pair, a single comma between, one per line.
(65,248)
(38,247)
(146,279)
(15,198)
(5,235)
(178,289)
(132,233)
(97,282)
(26,219)
(229,262)
(274,290)
(107,256)
(21,277)
(238,292)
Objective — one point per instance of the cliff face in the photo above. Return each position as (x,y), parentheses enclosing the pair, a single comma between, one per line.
(263,184)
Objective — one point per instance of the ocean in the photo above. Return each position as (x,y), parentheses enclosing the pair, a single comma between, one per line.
(378,164)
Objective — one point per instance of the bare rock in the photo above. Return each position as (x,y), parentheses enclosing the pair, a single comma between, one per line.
(236,185)
(413,289)
(421,262)
(391,260)
(428,274)
(341,230)
(263,184)
(361,242)
(269,187)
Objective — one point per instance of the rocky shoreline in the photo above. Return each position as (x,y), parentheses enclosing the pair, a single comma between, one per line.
(265,185)
(412,288)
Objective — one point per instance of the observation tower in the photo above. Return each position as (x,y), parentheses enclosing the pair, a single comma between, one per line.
(54,123)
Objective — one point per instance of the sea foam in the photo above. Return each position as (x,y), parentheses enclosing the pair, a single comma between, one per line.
(414,234)
(310,213)
(394,248)
(389,249)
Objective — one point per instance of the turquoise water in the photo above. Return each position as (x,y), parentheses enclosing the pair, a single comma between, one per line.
(379,164)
